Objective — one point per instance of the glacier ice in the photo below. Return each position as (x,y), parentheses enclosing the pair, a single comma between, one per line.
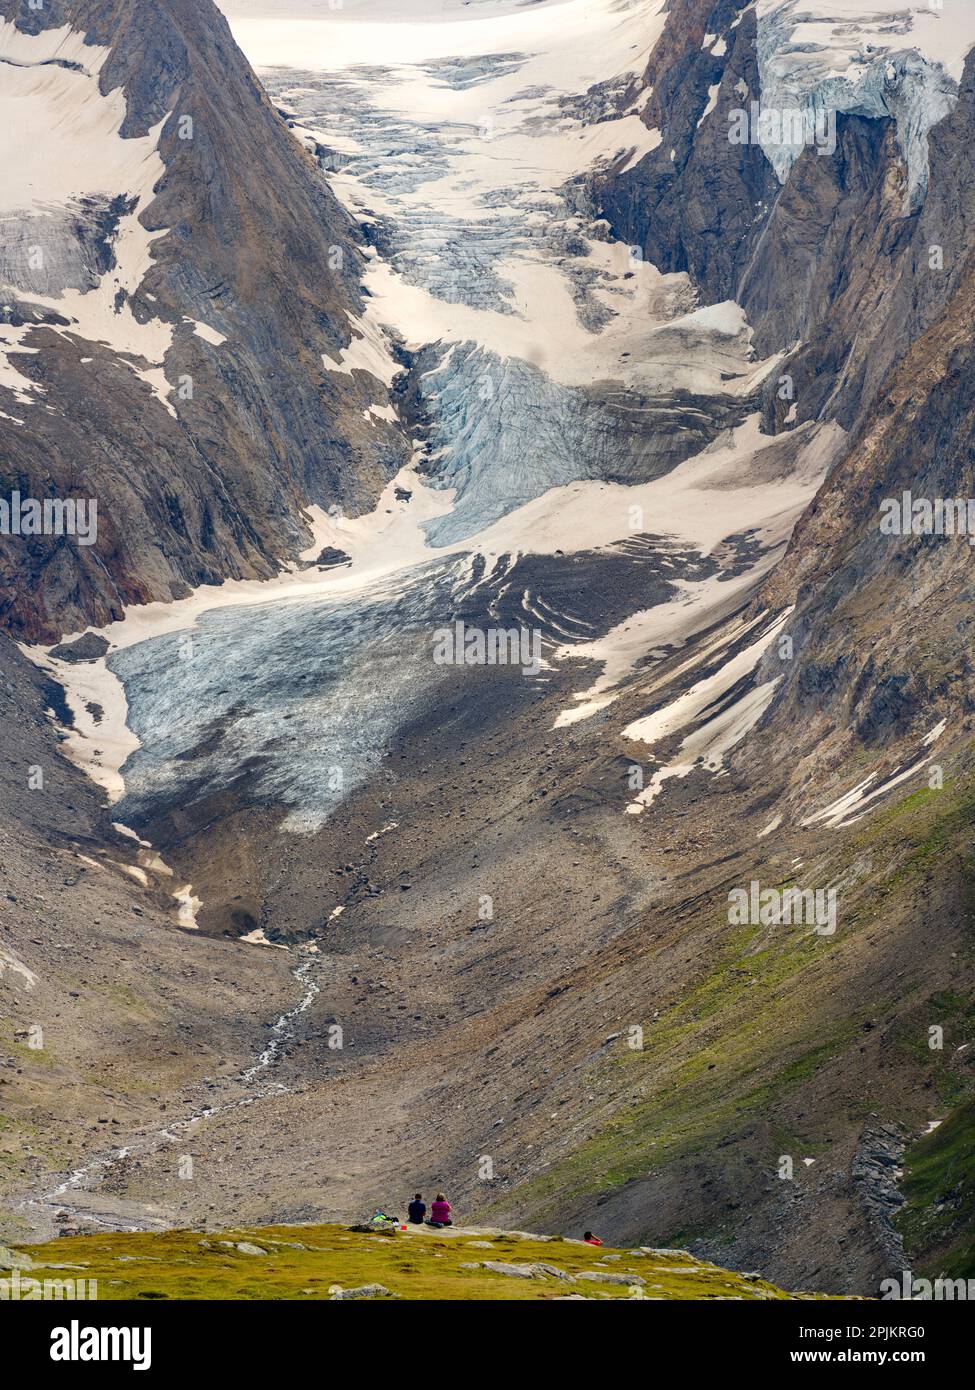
(882,59)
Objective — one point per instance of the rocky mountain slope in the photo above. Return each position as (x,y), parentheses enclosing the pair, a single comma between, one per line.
(106,1016)
(872,279)
(177,279)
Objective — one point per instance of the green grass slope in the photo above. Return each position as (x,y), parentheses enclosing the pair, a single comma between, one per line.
(938,1218)
(316,1262)
(792,1036)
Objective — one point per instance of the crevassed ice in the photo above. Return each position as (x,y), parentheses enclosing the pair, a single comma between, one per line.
(874,58)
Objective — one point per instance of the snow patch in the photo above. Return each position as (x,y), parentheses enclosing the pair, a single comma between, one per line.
(711,103)
(712,496)
(859,799)
(707,745)
(188,906)
(8,961)
(257,938)
(62,153)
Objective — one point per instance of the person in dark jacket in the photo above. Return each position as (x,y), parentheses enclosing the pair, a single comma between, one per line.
(417,1210)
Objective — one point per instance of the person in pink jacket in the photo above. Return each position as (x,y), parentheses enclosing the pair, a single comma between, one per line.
(440,1211)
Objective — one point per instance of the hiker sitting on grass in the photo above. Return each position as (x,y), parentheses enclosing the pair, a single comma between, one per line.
(417,1210)
(381,1218)
(590,1239)
(440,1212)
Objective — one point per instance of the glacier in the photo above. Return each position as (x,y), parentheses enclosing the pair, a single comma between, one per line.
(586,455)
(876,58)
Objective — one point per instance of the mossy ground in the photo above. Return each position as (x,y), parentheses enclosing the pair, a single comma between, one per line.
(938,1218)
(308,1262)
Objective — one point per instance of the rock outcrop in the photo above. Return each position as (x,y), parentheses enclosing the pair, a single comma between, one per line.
(170,345)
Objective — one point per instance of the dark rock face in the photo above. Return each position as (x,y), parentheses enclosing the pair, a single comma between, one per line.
(842,267)
(850,579)
(834,235)
(90,647)
(254,246)
(875,1170)
(701,210)
(876,296)
(830,259)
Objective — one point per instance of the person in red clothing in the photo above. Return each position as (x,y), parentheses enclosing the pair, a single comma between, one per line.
(440,1211)
(590,1239)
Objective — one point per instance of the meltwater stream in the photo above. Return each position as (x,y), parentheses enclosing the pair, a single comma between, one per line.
(71,1194)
